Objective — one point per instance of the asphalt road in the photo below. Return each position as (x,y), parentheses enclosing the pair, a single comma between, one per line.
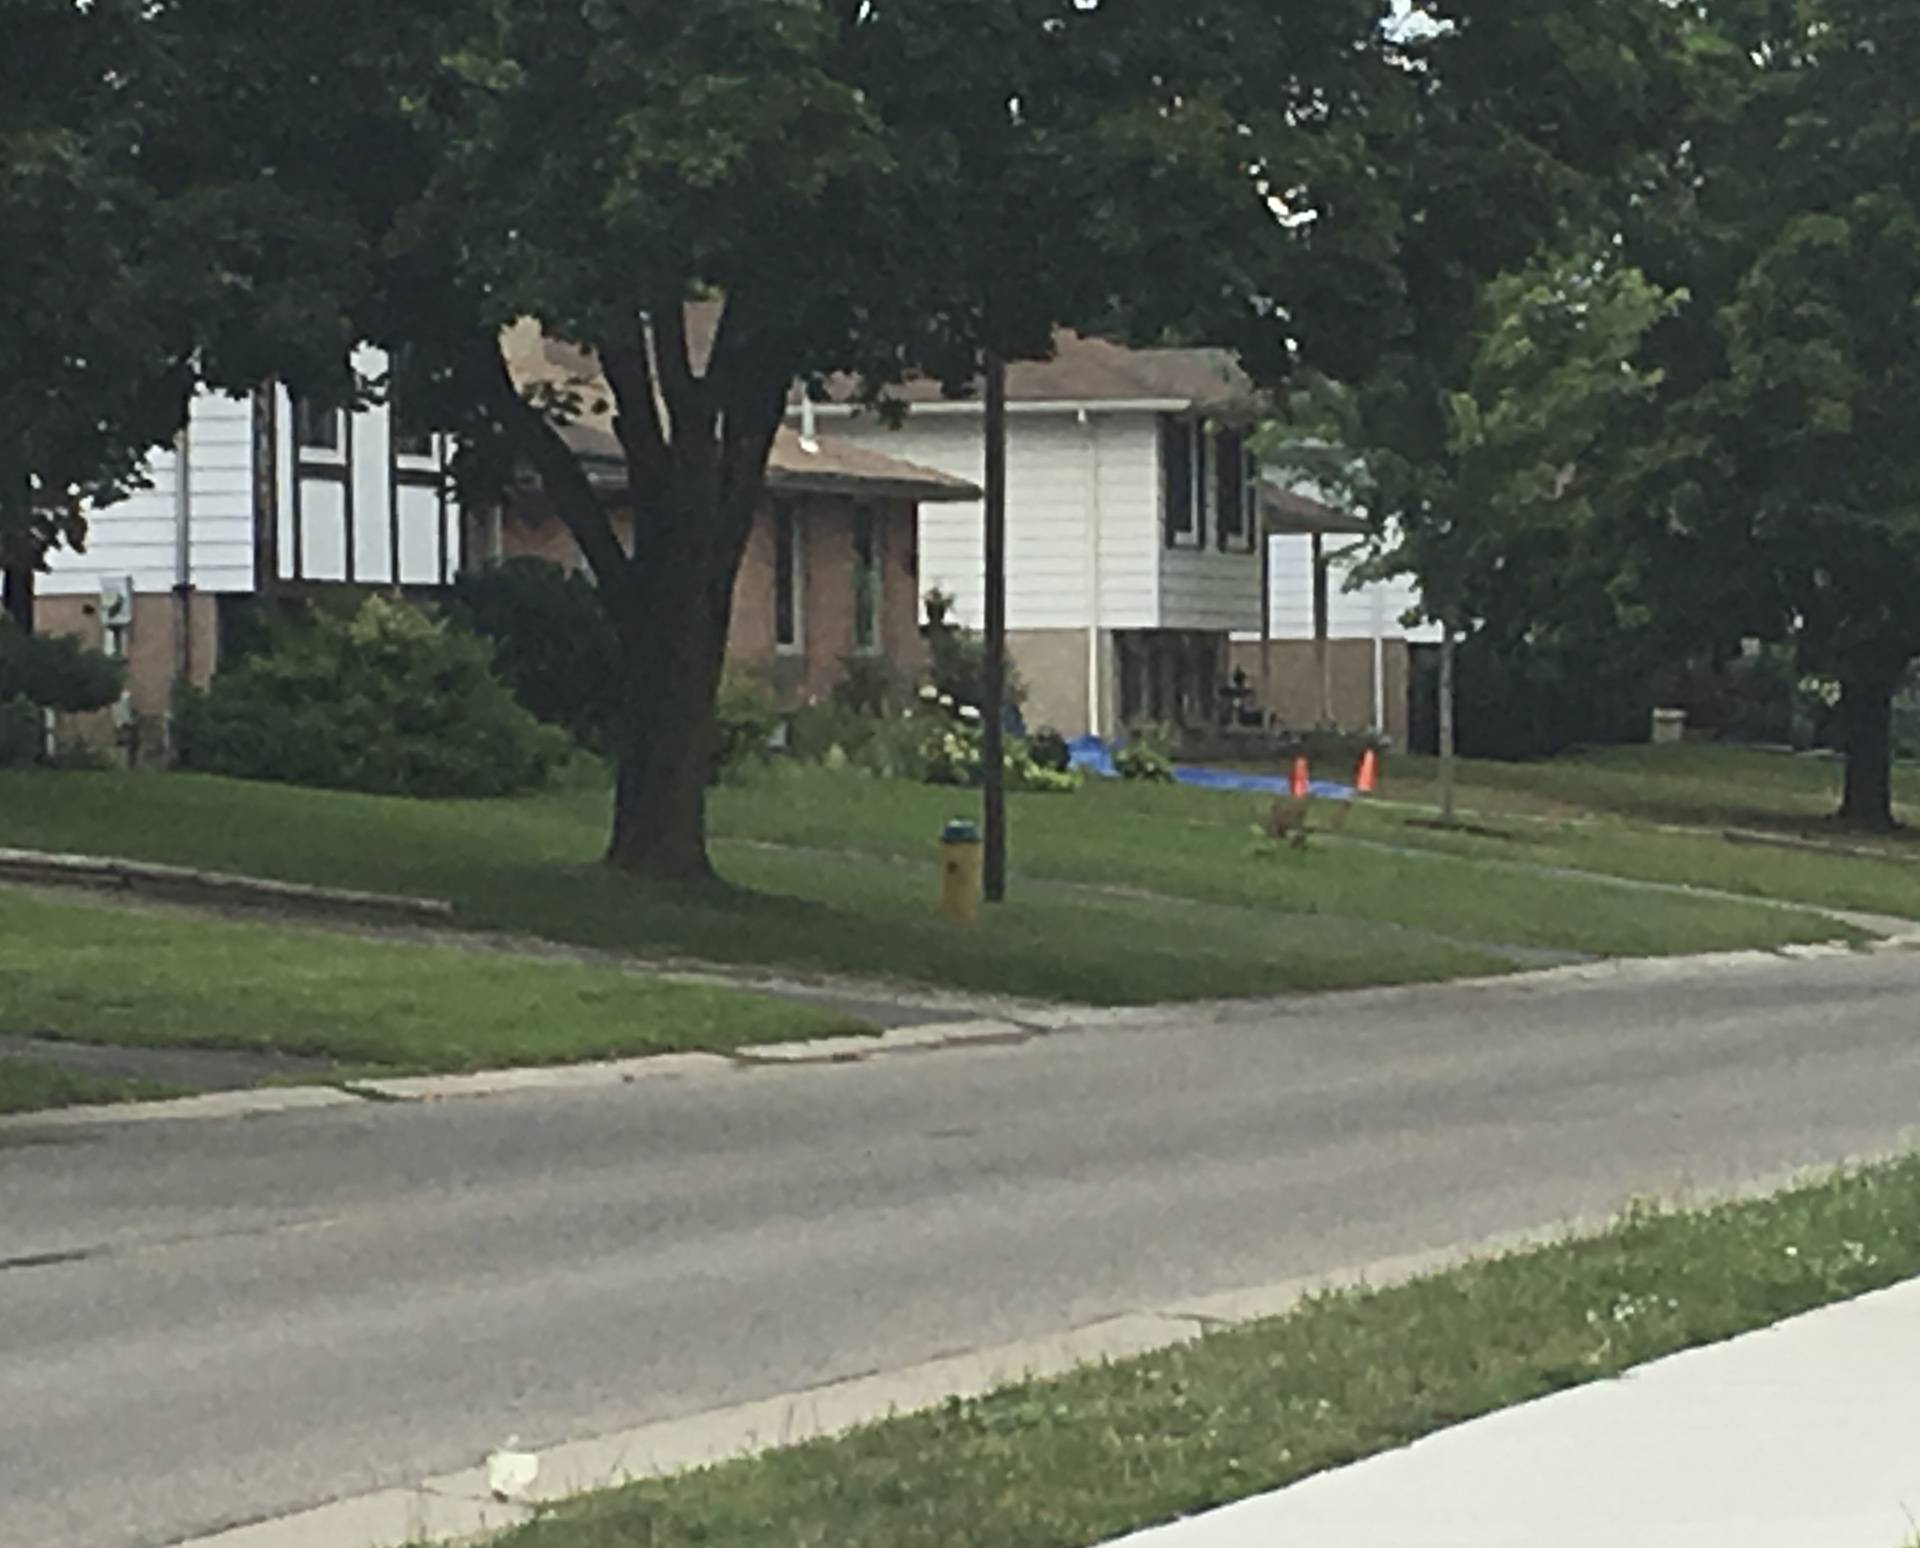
(208,1322)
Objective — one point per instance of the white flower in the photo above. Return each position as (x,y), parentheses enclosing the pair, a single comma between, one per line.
(946,701)
(968,712)
(929,692)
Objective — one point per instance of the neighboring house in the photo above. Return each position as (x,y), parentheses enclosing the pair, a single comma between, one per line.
(1332,655)
(260,494)
(832,564)
(1132,524)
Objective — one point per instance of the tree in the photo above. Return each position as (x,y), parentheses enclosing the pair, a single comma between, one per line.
(873,189)
(1505,522)
(841,186)
(95,360)
(1788,502)
(134,264)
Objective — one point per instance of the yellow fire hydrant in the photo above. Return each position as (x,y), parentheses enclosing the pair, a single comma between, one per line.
(960,871)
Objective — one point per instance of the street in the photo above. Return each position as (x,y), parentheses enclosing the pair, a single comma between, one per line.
(208,1322)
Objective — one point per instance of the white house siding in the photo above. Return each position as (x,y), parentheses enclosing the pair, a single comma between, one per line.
(137,536)
(1128,455)
(1350,614)
(1046,513)
(429,538)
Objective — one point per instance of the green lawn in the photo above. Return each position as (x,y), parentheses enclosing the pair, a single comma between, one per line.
(1700,784)
(1121,894)
(27,1085)
(90,972)
(1108,1450)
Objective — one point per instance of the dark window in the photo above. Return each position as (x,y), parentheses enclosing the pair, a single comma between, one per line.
(1230,472)
(316,428)
(786,577)
(866,578)
(1177,474)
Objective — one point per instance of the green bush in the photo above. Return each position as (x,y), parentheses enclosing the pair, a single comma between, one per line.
(1049,749)
(389,700)
(1146,754)
(869,685)
(552,644)
(745,718)
(957,658)
(56,671)
(20,732)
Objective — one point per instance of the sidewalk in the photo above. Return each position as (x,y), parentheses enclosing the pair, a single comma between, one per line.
(1803,1435)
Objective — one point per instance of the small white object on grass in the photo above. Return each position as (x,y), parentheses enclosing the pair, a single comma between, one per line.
(510,1471)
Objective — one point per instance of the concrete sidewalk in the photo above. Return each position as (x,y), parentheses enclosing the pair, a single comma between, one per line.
(1803,1435)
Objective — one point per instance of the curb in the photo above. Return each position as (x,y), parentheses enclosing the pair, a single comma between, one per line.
(184,883)
(931,1037)
(458,1506)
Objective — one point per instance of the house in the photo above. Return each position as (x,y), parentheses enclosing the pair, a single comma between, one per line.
(1331,654)
(832,563)
(260,494)
(1132,523)
(1135,516)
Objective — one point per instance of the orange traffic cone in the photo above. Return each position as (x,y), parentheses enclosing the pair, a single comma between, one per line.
(1368,774)
(1298,785)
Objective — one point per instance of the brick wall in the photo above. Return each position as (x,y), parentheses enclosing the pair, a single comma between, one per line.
(826,558)
(150,659)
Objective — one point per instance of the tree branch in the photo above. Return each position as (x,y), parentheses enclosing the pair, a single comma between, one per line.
(565,482)
(689,403)
(630,375)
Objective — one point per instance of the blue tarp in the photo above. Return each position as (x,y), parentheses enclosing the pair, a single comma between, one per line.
(1096,757)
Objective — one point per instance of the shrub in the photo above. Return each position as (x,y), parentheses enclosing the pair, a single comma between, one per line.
(957,658)
(552,644)
(388,700)
(20,733)
(1146,754)
(56,671)
(869,685)
(745,717)
(1049,749)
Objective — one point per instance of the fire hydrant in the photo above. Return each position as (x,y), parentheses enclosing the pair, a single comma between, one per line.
(960,871)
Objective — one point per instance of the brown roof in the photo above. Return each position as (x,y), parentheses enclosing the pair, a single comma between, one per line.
(1085,370)
(1288,511)
(820,466)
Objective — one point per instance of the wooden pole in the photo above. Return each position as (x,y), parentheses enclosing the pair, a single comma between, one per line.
(1266,623)
(993,739)
(1447,760)
(1322,629)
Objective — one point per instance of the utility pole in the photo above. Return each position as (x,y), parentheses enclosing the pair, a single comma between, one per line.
(1448,761)
(993,712)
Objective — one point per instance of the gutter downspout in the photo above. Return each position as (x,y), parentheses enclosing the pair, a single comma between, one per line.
(1094,726)
(182,571)
(1379,659)
(1266,620)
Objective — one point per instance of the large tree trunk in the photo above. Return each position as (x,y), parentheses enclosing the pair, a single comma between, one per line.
(19,579)
(673,654)
(1866,715)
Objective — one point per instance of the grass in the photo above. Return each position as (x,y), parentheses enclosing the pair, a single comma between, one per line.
(26,1085)
(1121,894)
(1695,784)
(1107,1450)
(93,973)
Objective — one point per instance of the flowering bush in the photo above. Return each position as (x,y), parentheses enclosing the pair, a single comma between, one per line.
(1146,754)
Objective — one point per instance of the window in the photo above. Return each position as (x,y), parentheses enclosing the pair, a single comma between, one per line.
(1177,475)
(866,577)
(786,577)
(316,428)
(1233,473)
